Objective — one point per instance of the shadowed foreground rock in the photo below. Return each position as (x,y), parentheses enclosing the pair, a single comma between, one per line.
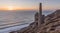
(43,24)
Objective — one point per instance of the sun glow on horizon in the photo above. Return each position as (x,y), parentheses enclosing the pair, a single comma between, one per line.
(10,8)
(16,8)
(26,8)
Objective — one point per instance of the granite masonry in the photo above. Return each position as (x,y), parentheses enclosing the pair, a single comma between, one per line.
(43,24)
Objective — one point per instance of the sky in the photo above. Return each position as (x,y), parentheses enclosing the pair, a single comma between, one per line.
(29,4)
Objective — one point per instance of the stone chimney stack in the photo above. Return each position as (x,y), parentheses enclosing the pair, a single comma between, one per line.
(40,15)
(40,9)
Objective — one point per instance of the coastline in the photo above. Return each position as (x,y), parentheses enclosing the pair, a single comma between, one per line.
(13,28)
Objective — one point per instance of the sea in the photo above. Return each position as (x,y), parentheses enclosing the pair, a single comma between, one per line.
(13,20)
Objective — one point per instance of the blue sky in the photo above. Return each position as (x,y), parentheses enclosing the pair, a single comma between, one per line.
(47,4)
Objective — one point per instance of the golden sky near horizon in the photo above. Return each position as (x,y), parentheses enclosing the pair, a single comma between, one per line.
(26,8)
(29,4)
(17,8)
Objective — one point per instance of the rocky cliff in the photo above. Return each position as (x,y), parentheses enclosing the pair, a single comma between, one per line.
(43,24)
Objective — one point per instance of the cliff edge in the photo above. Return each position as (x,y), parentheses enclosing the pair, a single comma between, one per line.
(43,24)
